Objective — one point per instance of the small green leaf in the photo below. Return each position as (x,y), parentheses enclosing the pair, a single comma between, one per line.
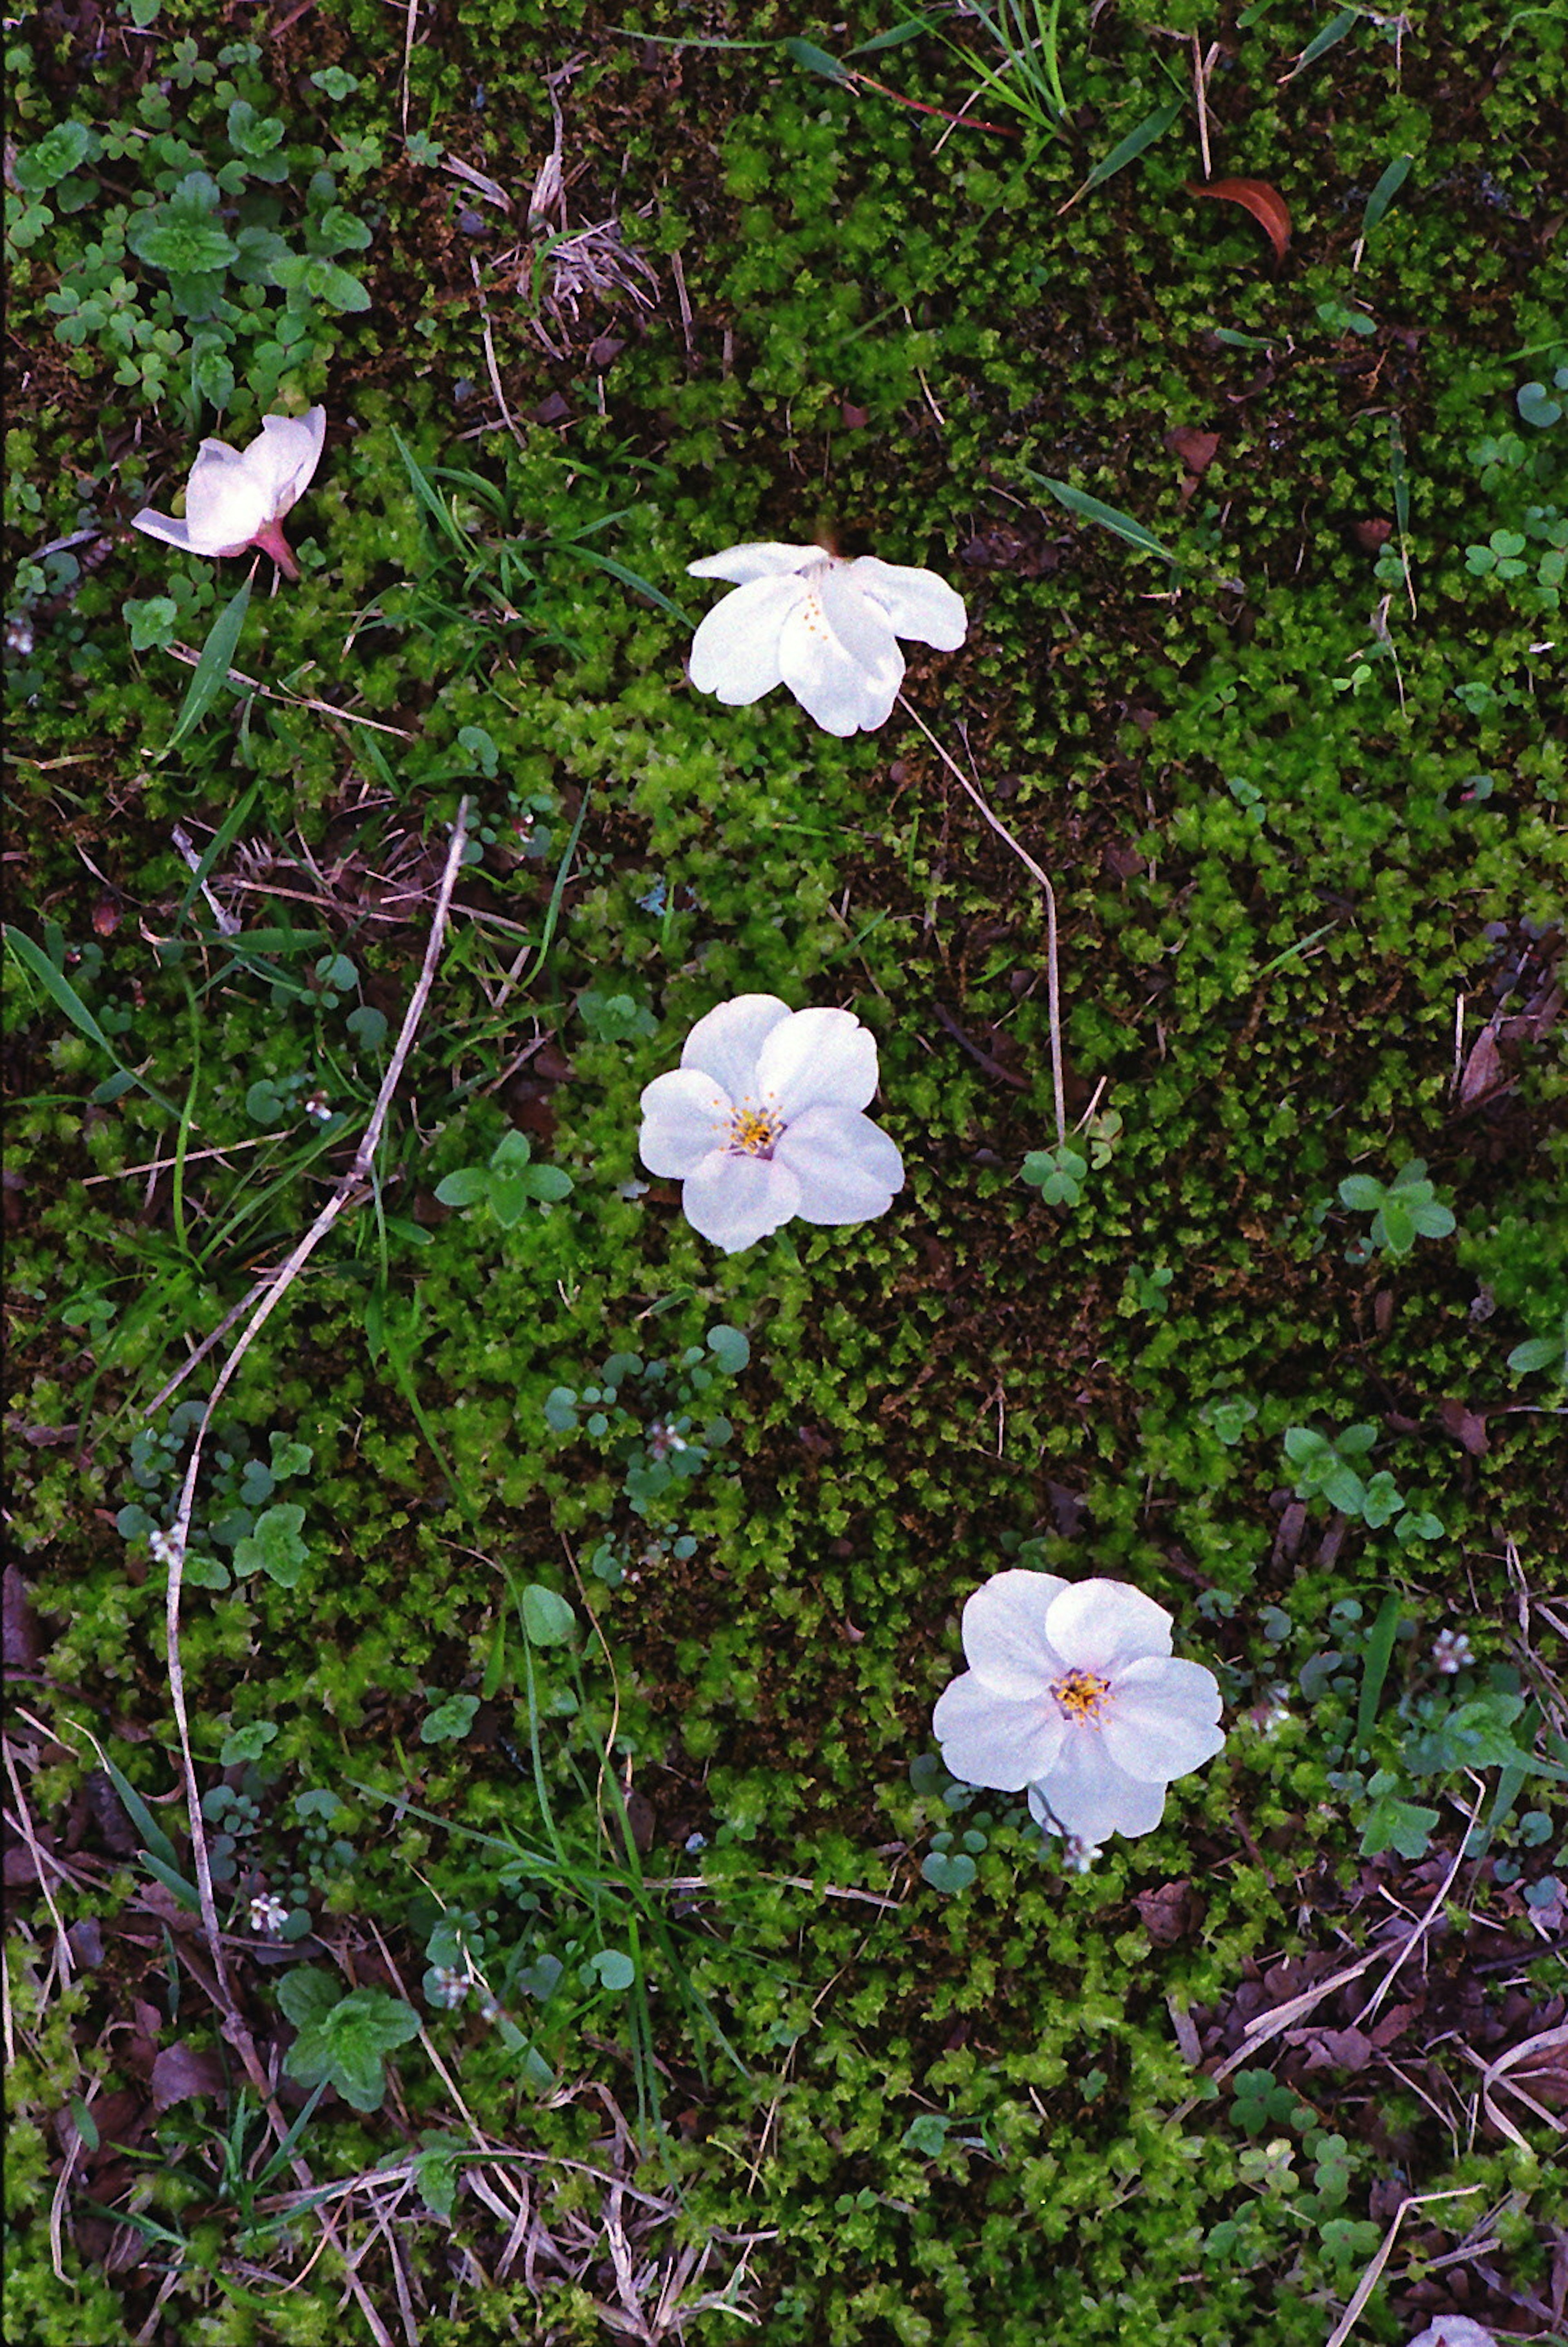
(547,1619)
(613,1970)
(449,1722)
(247,1743)
(275,1545)
(469,1186)
(729,1347)
(948,1871)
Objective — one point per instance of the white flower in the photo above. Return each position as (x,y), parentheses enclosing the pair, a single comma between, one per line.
(1454,2330)
(762,1121)
(267,1913)
(1072,1691)
(1452,1653)
(237,498)
(825,627)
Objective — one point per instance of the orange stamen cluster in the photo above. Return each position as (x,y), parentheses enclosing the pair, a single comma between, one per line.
(754,1131)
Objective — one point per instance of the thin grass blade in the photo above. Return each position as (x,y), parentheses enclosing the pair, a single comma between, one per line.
(211,669)
(1088,509)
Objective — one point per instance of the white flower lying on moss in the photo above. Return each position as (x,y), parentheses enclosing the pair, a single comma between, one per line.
(1454,2330)
(762,1121)
(827,627)
(237,498)
(1072,1691)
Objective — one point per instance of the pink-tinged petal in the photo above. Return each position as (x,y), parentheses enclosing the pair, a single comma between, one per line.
(270,538)
(225,505)
(736,1200)
(1162,1721)
(990,1739)
(818,1059)
(840,658)
(1004,1638)
(727,1042)
(917,603)
(1103,1625)
(735,653)
(759,558)
(847,1167)
(156,525)
(283,460)
(1089,1796)
(686,1117)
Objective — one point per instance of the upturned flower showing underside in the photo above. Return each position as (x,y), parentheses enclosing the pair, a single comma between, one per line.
(1073,1692)
(762,1121)
(827,627)
(237,498)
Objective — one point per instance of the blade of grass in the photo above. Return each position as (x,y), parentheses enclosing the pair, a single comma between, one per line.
(1375,1668)
(1135,143)
(64,995)
(211,668)
(1322,43)
(1383,194)
(427,496)
(1088,509)
(222,839)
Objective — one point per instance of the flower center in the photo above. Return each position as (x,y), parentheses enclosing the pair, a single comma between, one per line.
(753,1130)
(1082,1695)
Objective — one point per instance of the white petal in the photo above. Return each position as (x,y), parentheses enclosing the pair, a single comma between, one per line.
(684,1115)
(918,604)
(284,458)
(847,1167)
(735,651)
(735,1200)
(818,1059)
(839,657)
(1162,1719)
(1103,1625)
(225,504)
(156,525)
(1005,1633)
(1089,1796)
(727,1042)
(990,1740)
(759,558)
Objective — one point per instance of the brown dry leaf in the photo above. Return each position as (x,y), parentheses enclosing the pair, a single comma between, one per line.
(1467,1426)
(1482,1070)
(180,2072)
(1198,450)
(1265,204)
(1170,1913)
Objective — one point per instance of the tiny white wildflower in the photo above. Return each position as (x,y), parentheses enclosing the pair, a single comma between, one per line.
(267,1912)
(1452,1653)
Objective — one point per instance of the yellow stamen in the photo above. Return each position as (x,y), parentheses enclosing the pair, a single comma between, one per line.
(754,1131)
(1082,1695)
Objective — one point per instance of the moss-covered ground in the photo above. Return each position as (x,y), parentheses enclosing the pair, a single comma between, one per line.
(638,1972)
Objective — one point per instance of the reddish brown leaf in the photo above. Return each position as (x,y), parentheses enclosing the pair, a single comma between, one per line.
(1198,450)
(1467,1426)
(180,2072)
(1265,204)
(1372,535)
